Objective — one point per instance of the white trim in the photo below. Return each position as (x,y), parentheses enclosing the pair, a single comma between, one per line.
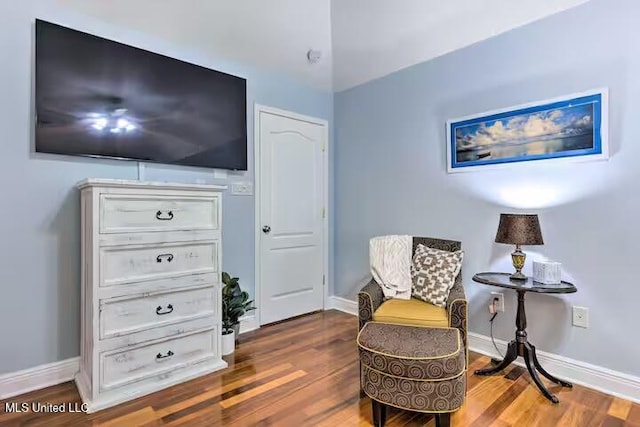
(342,304)
(248,323)
(256,211)
(258,108)
(15,383)
(50,374)
(144,387)
(604,134)
(595,377)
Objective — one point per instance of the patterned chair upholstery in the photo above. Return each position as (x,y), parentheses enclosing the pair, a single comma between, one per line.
(372,305)
(416,368)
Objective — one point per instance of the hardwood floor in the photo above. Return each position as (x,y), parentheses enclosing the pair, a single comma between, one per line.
(304,372)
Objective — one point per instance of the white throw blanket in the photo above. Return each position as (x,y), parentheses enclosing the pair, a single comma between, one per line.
(390,260)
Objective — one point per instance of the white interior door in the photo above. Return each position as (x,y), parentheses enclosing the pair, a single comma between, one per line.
(292,211)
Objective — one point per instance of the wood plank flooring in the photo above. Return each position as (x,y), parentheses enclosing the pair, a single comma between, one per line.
(304,372)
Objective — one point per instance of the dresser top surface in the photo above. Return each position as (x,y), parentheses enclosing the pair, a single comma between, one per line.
(123,183)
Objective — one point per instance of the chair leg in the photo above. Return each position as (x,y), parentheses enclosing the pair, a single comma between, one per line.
(375,413)
(443,420)
(379,413)
(362,393)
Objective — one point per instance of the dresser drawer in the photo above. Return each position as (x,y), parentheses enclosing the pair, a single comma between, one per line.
(122,213)
(125,316)
(131,365)
(130,264)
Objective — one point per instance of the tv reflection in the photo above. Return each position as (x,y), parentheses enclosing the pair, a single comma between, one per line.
(97,97)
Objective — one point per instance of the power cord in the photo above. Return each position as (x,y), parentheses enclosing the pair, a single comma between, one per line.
(494,313)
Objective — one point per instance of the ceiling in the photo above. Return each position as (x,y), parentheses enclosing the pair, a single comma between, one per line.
(360,40)
(373,38)
(272,34)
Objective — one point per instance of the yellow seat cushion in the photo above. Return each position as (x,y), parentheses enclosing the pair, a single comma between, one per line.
(411,312)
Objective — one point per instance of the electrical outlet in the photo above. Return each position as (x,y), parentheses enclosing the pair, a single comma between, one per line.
(580,316)
(220,173)
(500,301)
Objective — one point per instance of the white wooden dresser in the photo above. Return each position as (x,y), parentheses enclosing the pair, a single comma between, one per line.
(150,304)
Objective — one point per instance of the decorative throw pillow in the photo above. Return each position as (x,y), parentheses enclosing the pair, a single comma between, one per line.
(433,273)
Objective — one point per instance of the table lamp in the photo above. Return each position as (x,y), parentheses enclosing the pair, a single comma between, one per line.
(519,229)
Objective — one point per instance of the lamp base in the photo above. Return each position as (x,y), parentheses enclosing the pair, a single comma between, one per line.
(517,258)
(518,276)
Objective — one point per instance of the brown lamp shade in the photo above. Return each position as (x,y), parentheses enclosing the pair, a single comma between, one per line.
(519,229)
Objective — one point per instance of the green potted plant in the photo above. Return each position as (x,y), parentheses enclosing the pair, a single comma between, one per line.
(235,303)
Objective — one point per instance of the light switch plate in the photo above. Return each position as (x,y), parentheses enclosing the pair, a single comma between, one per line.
(580,316)
(242,188)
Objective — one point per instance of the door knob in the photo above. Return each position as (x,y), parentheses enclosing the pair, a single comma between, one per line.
(266,229)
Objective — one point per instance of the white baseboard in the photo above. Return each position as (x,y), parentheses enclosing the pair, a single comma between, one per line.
(592,376)
(15,383)
(342,304)
(38,377)
(596,377)
(248,323)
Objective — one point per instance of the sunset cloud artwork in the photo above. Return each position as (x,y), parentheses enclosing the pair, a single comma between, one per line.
(554,129)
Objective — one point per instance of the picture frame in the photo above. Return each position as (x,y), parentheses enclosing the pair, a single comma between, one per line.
(568,128)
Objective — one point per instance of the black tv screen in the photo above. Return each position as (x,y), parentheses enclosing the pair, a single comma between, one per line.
(97,97)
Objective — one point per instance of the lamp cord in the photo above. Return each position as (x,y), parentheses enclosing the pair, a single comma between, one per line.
(492,339)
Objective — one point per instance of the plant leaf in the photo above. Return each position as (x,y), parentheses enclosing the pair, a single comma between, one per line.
(235,301)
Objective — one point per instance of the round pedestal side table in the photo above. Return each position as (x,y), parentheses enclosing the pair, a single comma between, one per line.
(520,346)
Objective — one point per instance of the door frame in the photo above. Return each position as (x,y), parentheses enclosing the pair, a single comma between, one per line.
(258,109)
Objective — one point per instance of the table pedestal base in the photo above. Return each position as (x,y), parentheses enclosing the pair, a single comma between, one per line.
(521,347)
(528,352)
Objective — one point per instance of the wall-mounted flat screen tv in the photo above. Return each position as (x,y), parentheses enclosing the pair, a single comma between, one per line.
(97,97)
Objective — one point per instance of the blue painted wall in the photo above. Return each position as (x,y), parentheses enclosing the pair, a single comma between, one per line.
(390,139)
(39,213)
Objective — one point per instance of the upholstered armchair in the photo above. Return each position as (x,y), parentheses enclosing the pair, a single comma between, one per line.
(372,305)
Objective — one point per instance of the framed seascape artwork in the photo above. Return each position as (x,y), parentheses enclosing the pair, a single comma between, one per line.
(568,128)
